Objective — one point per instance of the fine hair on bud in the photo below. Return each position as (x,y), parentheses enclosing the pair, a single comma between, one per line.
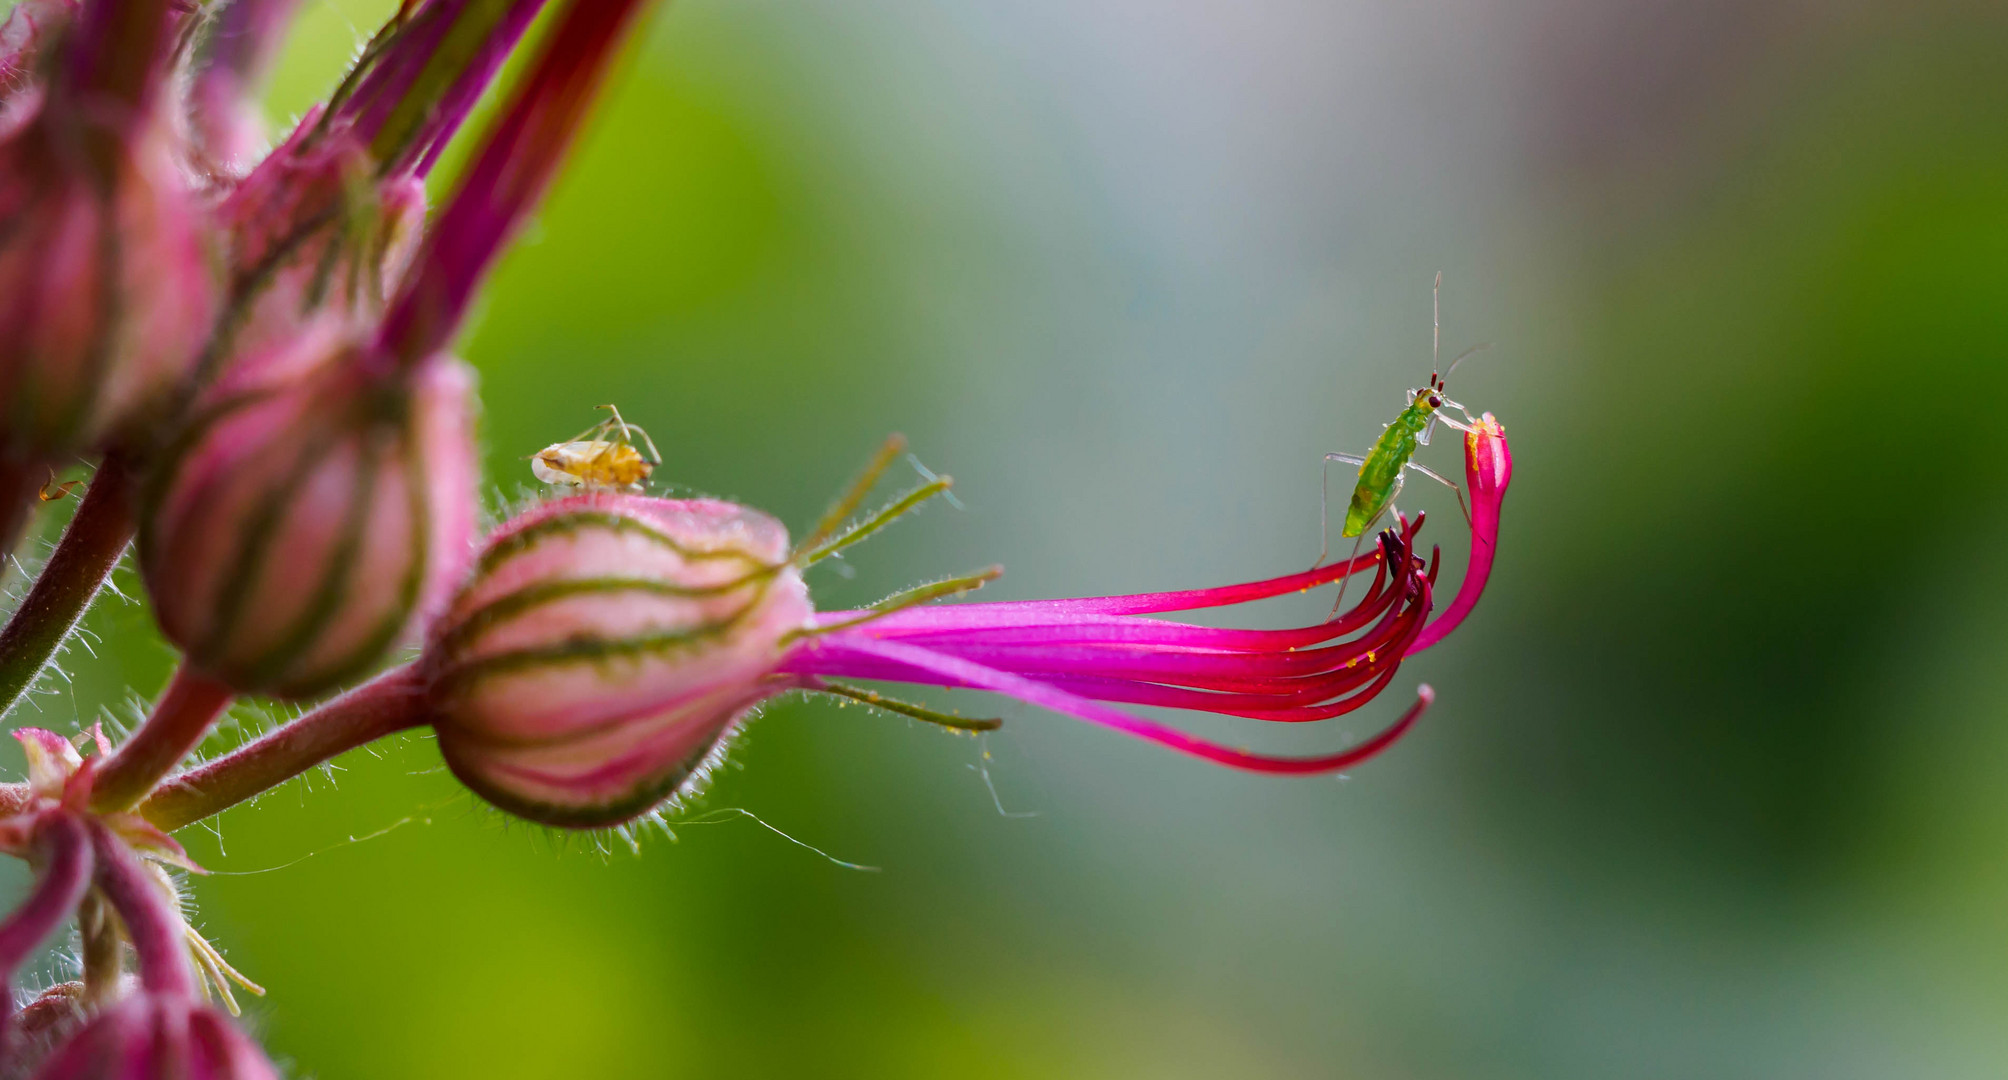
(314,508)
(604,648)
(151,1034)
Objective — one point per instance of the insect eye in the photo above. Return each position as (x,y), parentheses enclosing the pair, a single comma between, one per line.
(1435,401)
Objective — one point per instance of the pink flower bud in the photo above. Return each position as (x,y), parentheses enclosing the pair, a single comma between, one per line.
(42,1025)
(106,288)
(314,507)
(605,648)
(159,1035)
(313,231)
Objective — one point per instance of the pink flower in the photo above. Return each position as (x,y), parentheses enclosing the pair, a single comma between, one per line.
(313,511)
(608,645)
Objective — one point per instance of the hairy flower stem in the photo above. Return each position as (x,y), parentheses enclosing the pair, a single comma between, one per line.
(150,918)
(414,101)
(117,49)
(178,724)
(390,703)
(65,858)
(76,570)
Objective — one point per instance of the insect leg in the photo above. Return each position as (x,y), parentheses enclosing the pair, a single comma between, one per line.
(1324,504)
(1434,475)
(654,455)
(1347,580)
(1361,538)
(1469,420)
(619,423)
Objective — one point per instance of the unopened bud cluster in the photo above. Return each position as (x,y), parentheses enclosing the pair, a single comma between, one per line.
(209,321)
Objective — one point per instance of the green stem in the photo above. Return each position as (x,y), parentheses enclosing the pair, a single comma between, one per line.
(387,704)
(76,570)
(178,724)
(103,949)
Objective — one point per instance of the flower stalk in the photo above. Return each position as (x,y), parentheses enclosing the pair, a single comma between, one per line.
(179,722)
(517,161)
(116,58)
(83,560)
(387,704)
(152,925)
(65,873)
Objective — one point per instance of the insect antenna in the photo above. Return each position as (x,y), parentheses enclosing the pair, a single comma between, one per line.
(1435,324)
(1463,356)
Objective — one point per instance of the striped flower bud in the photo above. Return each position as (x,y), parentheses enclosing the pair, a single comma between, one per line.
(605,649)
(107,290)
(313,508)
(312,230)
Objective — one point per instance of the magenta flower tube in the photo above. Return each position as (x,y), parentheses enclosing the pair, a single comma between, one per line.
(1488,469)
(607,646)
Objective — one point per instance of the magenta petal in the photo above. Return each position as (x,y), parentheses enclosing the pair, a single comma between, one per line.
(1488,468)
(949,669)
(1190,599)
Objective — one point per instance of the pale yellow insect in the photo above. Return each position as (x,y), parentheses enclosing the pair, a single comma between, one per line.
(601,458)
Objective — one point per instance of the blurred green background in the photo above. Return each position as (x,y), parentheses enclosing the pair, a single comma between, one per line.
(1715,784)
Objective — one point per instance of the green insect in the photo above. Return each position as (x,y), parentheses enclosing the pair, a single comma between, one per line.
(1387,465)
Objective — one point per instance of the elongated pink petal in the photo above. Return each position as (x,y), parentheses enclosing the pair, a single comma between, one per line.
(1191,599)
(1488,468)
(953,671)
(1041,621)
(1313,705)
(1012,623)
